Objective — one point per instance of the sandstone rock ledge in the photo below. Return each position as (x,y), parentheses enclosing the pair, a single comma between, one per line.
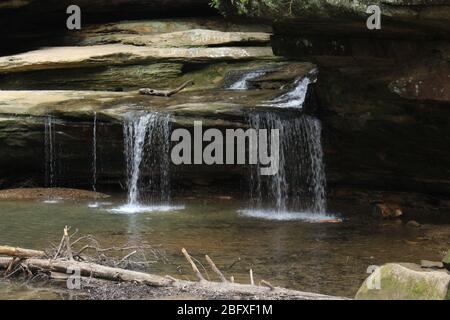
(54,193)
(119,54)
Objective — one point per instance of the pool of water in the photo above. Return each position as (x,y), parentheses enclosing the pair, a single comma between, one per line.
(328,258)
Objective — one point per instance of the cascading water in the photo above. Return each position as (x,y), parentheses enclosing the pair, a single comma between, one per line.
(297,191)
(49,152)
(242,82)
(94,154)
(50,156)
(147,141)
(295,98)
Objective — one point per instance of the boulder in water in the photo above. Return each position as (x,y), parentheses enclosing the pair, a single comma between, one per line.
(386,211)
(405,282)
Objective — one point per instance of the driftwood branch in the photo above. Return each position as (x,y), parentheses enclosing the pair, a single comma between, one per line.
(215,269)
(34,263)
(67,242)
(20,252)
(165,93)
(193,265)
(92,270)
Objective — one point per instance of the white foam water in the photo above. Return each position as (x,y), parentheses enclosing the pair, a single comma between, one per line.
(295,98)
(52,201)
(242,83)
(311,217)
(95,205)
(135,209)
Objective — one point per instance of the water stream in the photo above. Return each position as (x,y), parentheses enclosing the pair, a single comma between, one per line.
(49,144)
(242,82)
(147,154)
(297,191)
(94,153)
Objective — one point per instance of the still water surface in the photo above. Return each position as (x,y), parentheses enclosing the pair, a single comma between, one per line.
(327,258)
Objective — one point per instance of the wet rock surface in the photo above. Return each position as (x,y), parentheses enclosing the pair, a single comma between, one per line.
(405,282)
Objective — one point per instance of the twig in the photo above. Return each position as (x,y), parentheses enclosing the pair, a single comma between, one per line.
(172,279)
(165,93)
(266,284)
(215,269)
(126,257)
(194,267)
(233,264)
(67,239)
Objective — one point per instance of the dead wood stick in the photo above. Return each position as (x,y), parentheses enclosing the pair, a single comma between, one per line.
(126,257)
(67,240)
(215,269)
(267,284)
(20,252)
(61,244)
(165,93)
(95,271)
(194,267)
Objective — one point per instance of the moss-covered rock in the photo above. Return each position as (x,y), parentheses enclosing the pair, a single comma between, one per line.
(405,282)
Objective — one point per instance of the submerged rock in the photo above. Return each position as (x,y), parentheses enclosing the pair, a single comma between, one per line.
(405,282)
(413,224)
(386,211)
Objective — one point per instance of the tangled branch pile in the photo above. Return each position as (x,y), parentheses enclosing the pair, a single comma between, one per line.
(62,260)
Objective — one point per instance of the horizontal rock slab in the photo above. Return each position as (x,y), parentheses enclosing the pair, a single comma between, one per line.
(157,75)
(188,38)
(398,16)
(405,282)
(157,26)
(119,54)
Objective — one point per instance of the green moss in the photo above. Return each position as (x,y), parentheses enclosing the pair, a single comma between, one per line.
(398,284)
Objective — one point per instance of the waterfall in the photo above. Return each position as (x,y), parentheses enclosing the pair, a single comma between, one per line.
(49,143)
(94,154)
(297,191)
(294,98)
(242,83)
(135,133)
(147,143)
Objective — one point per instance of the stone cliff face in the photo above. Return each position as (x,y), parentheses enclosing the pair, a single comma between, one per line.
(383,95)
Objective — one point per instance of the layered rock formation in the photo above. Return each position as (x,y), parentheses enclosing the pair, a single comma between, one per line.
(383,94)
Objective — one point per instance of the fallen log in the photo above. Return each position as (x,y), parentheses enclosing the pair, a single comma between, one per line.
(20,252)
(165,93)
(34,262)
(92,270)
